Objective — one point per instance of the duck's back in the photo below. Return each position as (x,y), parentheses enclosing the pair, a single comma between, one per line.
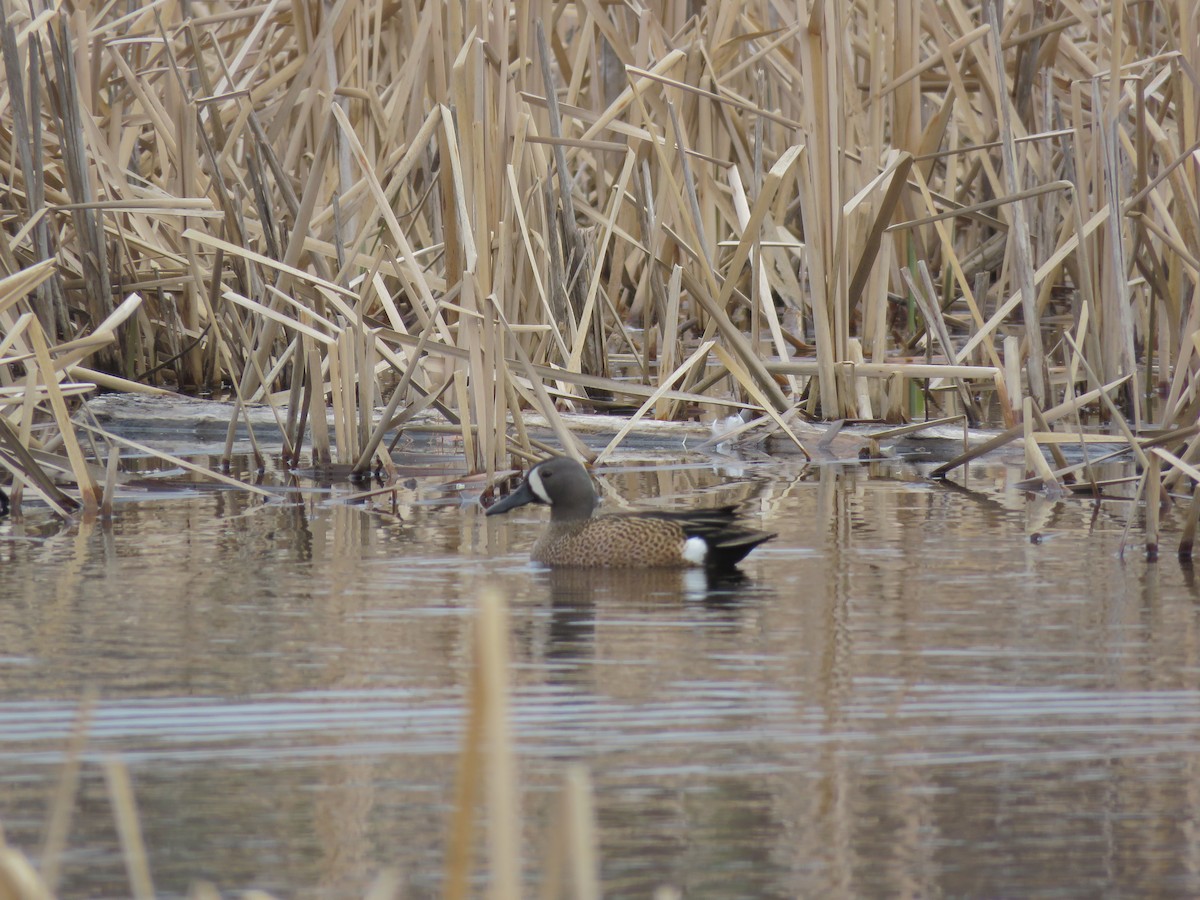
(641,540)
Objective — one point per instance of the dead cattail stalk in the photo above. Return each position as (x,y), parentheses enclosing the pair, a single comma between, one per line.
(120,795)
(487,759)
(1153,505)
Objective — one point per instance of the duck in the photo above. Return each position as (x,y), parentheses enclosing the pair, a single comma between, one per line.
(710,538)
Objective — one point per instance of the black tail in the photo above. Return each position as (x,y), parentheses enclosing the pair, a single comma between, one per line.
(733,546)
(728,541)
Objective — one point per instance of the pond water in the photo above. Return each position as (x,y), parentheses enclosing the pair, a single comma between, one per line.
(916,690)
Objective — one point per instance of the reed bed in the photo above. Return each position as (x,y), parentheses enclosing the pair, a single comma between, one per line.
(838,210)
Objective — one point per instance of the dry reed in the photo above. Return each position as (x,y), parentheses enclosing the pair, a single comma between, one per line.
(484,209)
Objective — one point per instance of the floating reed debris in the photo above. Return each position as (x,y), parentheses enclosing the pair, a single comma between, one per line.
(486,212)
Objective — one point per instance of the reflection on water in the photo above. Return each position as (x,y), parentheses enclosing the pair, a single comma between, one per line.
(916,690)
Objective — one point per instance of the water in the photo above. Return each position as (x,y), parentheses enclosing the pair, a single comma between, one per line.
(916,690)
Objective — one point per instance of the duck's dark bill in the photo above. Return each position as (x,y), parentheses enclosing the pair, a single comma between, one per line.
(519,497)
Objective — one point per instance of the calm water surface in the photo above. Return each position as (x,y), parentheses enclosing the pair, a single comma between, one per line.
(917,690)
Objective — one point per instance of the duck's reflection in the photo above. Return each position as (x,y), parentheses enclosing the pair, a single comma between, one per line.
(579,597)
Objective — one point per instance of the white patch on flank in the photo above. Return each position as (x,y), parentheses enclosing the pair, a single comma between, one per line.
(535,485)
(695,550)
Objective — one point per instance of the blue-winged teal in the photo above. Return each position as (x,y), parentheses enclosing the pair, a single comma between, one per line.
(704,537)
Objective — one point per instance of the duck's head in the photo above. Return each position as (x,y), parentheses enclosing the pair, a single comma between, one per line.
(560,483)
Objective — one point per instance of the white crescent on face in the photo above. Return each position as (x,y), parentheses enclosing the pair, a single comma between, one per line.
(535,485)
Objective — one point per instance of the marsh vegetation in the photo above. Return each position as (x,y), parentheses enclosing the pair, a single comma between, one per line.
(483,209)
(362,214)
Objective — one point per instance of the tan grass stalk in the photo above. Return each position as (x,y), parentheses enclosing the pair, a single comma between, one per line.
(16,286)
(387,418)
(548,375)
(176,461)
(668,338)
(761,300)
(572,844)
(751,387)
(58,818)
(698,355)
(587,353)
(487,759)
(504,826)
(133,849)
(89,490)
(27,470)
(112,470)
(1035,462)
(887,370)
(19,880)
(1068,247)
(1068,407)
(388,885)
(959,211)
(571,445)
(1122,424)
(931,312)
(1174,461)
(333,292)
(269,313)
(460,840)
(589,306)
(1153,505)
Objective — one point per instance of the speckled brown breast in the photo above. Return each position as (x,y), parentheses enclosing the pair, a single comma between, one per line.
(612,541)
